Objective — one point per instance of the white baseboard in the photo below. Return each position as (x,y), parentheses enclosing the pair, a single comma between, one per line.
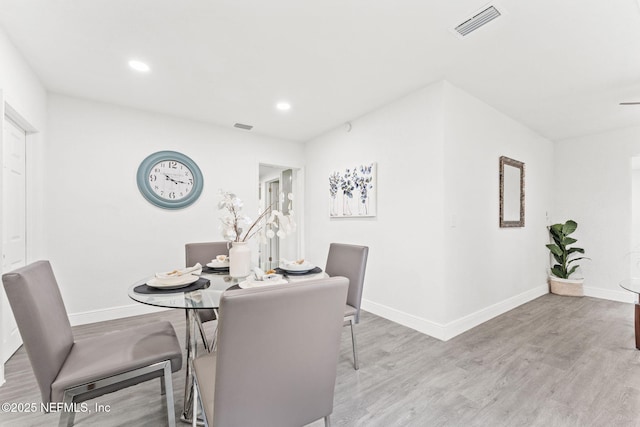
(420,324)
(472,320)
(445,332)
(620,296)
(112,313)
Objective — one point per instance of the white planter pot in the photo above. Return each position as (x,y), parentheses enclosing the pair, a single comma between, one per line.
(568,287)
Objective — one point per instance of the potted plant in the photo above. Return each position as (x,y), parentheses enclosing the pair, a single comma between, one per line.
(559,280)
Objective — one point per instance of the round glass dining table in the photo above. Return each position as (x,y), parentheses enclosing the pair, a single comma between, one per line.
(633,285)
(207,297)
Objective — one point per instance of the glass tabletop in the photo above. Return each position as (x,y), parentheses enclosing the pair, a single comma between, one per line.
(632,285)
(208,297)
(202,298)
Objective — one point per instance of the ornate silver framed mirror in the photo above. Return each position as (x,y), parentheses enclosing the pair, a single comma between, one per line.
(511,192)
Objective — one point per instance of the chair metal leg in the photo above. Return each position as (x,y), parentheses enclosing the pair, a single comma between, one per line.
(327,421)
(168,389)
(203,334)
(197,403)
(67,417)
(356,365)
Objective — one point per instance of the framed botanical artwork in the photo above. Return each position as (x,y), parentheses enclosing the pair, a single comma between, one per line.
(352,192)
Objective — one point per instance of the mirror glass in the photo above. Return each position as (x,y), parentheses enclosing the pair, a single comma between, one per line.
(511,193)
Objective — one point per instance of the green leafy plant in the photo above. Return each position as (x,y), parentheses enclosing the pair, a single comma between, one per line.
(562,253)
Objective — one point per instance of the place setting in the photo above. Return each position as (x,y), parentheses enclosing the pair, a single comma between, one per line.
(185,280)
(260,278)
(218,265)
(299,268)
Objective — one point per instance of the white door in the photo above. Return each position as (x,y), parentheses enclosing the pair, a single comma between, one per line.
(13,224)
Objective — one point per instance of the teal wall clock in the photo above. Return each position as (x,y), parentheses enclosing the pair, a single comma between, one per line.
(169,180)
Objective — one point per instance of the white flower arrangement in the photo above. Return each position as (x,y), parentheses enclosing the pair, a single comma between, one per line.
(264,226)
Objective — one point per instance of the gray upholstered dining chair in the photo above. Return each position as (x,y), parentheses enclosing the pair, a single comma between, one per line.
(71,371)
(204,253)
(350,261)
(277,356)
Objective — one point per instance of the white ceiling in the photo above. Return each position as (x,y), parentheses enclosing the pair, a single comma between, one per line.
(559,66)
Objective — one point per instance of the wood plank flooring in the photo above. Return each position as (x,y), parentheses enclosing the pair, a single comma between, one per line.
(556,361)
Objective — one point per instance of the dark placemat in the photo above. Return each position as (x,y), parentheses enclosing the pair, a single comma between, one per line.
(302,273)
(201,283)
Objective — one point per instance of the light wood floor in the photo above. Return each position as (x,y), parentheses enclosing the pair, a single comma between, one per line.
(556,361)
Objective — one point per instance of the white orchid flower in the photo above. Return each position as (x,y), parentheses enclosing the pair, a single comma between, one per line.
(269,219)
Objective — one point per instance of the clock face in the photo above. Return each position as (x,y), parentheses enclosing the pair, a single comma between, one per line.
(169,180)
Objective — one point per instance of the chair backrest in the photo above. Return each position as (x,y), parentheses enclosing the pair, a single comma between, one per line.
(204,252)
(278,351)
(42,320)
(349,261)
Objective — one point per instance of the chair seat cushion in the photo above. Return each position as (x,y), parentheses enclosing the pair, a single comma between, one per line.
(117,352)
(349,310)
(204,369)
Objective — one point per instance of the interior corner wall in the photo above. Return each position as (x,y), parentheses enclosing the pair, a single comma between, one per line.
(438,261)
(594,175)
(490,270)
(404,278)
(102,235)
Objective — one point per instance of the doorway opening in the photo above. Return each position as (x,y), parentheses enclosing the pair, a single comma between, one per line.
(276,183)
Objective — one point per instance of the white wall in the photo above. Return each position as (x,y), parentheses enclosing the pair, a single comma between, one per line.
(595,176)
(491,269)
(22,90)
(25,97)
(437,152)
(405,276)
(634,255)
(102,235)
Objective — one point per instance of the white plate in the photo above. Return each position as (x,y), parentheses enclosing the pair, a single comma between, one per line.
(252,283)
(217,264)
(298,268)
(173,276)
(187,279)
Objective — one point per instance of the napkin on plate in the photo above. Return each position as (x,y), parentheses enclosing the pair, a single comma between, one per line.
(258,272)
(196,269)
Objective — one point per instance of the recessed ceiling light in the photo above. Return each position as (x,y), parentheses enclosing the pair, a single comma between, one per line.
(139,66)
(283,106)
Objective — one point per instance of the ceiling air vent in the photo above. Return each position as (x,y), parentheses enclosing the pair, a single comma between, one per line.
(243,126)
(477,21)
